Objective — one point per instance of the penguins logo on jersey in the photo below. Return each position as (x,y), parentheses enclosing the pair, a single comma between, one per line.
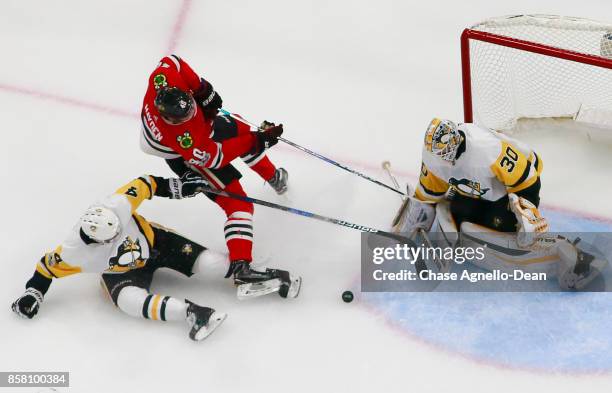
(129,256)
(468,187)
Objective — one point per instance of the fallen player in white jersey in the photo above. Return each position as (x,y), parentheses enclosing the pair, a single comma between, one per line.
(485,186)
(112,239)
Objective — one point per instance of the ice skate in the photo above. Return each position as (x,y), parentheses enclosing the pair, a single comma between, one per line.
(203,321)
(254,283)
(279,181)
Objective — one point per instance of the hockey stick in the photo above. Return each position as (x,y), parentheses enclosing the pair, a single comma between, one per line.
(304,213)
(419,265)
(387,167)
(315,154)
(405,199)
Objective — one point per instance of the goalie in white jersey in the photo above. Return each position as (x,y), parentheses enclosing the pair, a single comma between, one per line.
(479,170)
(489,184)
(113,239)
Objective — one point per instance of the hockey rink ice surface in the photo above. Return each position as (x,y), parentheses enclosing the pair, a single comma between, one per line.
(356,80)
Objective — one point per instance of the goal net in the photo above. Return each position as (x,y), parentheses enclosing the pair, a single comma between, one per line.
(537,66)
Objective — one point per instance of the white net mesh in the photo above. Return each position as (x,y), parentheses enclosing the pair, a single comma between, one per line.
(509,84)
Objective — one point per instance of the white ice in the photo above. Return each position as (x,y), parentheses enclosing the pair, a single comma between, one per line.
(356,80)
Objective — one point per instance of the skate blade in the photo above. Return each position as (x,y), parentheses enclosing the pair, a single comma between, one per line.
(251,290)
(216,319)
(296,285)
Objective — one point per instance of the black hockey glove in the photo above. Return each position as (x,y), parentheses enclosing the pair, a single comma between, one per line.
(189,185)
(268,137)
(208,99)
(27,305)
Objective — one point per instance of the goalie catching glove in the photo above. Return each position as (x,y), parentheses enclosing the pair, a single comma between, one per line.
(531,225)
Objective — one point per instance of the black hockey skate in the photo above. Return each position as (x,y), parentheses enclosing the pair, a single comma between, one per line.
(279,181)
(254,283)
(202,320)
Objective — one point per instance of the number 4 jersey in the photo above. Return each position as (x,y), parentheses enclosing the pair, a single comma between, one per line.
(129,250)
(489,165)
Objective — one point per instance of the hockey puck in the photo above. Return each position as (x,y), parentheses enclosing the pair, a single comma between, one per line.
(347,296)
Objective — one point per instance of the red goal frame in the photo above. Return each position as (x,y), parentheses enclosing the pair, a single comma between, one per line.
(469,34)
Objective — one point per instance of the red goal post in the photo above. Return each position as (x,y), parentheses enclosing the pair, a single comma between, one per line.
(539,46)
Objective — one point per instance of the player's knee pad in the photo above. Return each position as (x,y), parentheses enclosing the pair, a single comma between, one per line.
(131,300)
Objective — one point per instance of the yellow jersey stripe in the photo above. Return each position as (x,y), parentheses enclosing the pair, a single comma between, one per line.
(430,185)
(537,162)
(423,197)
(526,184)
(154,314)
(53,266)
(42,269)
(145,228)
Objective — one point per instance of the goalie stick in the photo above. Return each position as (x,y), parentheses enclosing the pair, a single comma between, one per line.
(405,198)
(441,265)
(315,154)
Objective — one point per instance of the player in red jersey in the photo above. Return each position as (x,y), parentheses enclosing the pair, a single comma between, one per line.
(180,123)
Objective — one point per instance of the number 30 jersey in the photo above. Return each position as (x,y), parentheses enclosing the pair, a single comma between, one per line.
(489,165)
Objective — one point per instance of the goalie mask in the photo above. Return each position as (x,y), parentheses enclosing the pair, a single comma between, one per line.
(174,105)
(100,224)
(442,139)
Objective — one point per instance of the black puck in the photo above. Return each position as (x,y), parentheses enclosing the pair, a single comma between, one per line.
(347,296)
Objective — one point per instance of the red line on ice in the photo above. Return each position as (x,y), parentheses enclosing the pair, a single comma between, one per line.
(66,100)
(177,29)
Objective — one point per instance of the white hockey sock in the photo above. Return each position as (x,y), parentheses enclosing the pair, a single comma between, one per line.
(211,262)
(137,302)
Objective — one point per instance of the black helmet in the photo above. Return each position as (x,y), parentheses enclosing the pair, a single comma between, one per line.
(175,105)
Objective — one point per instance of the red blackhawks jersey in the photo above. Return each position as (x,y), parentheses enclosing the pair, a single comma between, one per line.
(191,140)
